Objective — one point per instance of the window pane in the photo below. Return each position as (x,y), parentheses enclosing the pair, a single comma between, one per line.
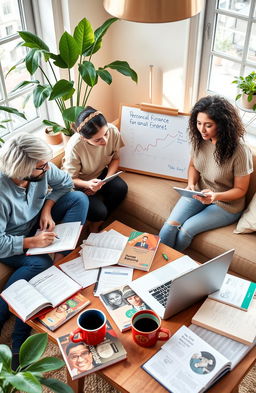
(242,7)
(30,111)
(9,18)
(10,54)
(252,45)
(222,74)
(230,35)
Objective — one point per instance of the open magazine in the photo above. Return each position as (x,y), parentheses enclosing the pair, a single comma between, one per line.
(188,363)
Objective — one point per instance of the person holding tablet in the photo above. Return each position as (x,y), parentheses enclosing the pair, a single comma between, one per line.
(92,154)
(220,167)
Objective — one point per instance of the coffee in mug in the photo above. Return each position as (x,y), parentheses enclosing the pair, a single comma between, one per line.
(146,328)
(91,327)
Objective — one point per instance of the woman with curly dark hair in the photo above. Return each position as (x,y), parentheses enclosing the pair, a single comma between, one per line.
(220,166)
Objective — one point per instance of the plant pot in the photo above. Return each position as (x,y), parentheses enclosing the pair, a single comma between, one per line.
(53,138)
(246,104)
(66,138)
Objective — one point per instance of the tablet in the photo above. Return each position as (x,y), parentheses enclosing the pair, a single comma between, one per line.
(109,178)
(188,193)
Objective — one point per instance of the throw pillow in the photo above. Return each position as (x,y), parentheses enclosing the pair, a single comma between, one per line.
(247,222)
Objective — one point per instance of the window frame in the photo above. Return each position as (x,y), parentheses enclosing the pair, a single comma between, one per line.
(28,23)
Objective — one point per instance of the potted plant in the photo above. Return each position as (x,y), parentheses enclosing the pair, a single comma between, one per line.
(29,376)
(247,85)
(12,111)
(74,51)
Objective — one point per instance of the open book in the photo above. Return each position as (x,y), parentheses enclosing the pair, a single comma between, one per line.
(228,321)
(67,237)
(188,363)
(49,288)
(236,292)
(94,357)
(140,250)
(102,249)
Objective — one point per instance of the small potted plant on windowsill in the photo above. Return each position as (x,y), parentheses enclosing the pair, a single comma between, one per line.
(75,53)
(247,84)
(29,376)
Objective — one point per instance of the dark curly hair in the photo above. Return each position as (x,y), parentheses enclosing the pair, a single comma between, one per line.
(229,126)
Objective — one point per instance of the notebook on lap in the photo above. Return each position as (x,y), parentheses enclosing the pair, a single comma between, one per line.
(180,283)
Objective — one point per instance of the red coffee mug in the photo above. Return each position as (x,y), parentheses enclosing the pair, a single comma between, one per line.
(92,327)
(146,328)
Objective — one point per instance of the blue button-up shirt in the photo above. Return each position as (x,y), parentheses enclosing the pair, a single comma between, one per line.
(20,207)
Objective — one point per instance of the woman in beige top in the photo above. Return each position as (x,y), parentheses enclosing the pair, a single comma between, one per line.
(220,166)
(91,155)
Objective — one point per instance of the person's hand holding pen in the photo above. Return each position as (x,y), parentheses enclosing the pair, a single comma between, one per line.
(41,239)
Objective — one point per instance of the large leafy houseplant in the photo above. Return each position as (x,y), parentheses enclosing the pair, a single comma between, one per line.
(247,84)
(74,51)
(12,111)
(29,376)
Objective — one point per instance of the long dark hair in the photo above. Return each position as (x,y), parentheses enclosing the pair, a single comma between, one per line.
(229,126)
(92,126)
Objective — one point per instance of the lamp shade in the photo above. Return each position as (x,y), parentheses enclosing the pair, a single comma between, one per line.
(153,11)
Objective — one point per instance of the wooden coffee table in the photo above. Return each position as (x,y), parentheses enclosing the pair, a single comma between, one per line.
(127,376)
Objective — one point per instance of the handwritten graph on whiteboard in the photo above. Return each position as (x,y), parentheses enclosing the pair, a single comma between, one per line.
(154,143)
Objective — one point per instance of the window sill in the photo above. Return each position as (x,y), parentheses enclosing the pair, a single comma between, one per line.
(57,149)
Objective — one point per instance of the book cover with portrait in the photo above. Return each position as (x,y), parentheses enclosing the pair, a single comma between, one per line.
(122,303)
(82,359)
(140,250)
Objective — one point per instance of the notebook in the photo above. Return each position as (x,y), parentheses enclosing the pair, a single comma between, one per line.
(175,286)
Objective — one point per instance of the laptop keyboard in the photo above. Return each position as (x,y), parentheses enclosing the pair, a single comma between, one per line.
(161,293)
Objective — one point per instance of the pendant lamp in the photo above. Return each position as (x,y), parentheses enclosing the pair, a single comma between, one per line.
(153,11)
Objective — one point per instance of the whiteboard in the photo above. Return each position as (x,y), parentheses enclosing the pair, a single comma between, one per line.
(154,143)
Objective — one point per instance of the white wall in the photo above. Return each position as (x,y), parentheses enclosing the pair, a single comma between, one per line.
(163,45)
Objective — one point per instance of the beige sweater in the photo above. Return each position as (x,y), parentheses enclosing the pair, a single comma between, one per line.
(221,178)
(85,161)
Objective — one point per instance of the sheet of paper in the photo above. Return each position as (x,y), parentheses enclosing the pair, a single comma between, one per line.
(94,257)
(75,269)
(109,239)
(54,285)
(68,234)
(113,277)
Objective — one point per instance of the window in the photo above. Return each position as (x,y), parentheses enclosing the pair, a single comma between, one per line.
(229,47)
(19,17)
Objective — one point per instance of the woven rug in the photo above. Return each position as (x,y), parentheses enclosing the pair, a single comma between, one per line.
(94,383)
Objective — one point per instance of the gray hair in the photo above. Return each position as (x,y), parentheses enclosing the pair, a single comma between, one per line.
(20,154)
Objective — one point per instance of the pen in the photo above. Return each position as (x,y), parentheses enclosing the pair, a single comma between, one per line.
(57,237)
(165,257)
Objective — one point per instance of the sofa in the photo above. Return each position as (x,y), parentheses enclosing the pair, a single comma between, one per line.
(148,204)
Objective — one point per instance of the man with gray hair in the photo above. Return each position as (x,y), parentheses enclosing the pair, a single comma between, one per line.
(34,194)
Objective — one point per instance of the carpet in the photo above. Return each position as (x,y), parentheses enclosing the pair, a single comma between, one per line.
(94,383)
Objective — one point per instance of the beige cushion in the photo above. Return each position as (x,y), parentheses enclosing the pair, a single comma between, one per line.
(247,222)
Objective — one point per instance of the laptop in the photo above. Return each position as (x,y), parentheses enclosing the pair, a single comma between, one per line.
(175,286)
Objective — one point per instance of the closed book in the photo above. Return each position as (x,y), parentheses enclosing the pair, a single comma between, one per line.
(139,251)
(227,320)
(82,359)
(122,303)
(66,310)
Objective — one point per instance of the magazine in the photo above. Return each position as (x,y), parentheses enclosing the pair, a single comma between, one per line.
(95,357)
(66,310)
(140,250)
(122,303)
